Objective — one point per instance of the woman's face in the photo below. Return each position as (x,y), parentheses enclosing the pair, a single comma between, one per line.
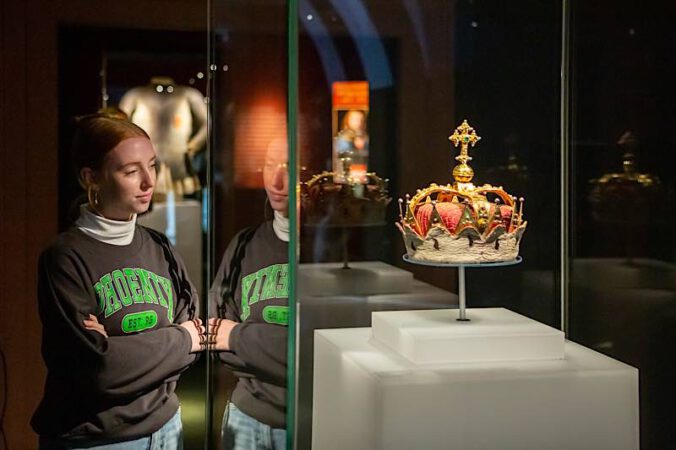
(355,121)
(276,176)
(126,179)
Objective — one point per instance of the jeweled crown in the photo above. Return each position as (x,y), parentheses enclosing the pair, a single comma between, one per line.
(481,213)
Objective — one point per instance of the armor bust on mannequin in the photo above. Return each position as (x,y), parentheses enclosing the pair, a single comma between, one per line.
(175,117)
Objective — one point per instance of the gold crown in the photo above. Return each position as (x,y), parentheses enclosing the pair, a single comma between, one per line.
(483,214)
(613,194)
(324,201)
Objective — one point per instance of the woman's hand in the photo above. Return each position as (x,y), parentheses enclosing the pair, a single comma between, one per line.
(92,323)
(197,334)
(219,333)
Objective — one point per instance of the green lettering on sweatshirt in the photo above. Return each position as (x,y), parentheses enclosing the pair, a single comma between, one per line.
(169,293)
(268,283)
(121,287)
(270,286)
(135,322)
(148,293)
(282,288)
(255,292)
(247,281)
(158,291)
(98,288)
(131,285)
(112,302)
(134,285)
(278,315)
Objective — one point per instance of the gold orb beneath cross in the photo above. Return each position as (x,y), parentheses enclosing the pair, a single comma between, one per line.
(462,173)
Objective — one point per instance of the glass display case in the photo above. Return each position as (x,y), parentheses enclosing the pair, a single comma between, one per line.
(373,92)
(621,196)
(248,147)
(443,222)
(410,73)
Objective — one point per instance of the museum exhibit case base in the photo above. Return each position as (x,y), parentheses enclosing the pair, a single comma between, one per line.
(368,395)
(181,221)
(495,334)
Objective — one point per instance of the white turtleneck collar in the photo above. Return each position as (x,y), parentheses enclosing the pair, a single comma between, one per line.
(281,226)
(110,231)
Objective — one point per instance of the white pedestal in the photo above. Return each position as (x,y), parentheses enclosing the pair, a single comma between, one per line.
(185,218)
(367,396)
(362,278)
(494,334)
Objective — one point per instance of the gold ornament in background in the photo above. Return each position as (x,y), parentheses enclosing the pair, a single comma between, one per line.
(629,176)
(629,197)
(326,203)
(629,207)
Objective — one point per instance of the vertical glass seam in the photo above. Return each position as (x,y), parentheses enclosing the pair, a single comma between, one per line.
(208,404)
(292,137)
(565,159)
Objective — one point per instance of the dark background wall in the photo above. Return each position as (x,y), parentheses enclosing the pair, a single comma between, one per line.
(623,276)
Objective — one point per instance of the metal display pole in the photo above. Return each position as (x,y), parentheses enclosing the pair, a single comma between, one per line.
(462,295)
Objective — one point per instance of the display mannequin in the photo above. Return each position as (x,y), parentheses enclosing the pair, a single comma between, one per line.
(175,117)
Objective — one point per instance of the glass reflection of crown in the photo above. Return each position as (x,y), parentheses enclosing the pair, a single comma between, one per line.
(324,202)
(613,195)
(462,222)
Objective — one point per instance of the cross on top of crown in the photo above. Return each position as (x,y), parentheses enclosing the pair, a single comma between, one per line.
(465,136)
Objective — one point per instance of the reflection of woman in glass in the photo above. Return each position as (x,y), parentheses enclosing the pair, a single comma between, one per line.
(351,147)
(117,310)
(250,293)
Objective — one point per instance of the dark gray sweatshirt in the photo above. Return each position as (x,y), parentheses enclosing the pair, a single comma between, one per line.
(120,387)
(259,342)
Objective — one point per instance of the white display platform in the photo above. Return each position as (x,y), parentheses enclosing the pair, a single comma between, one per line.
(493,334)
(187,232)
(367,396)
(361,278)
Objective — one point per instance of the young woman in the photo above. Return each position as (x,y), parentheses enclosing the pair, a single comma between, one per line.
(117,309)
(250,294)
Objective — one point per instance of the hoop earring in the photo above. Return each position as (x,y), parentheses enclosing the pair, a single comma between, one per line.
(92,197)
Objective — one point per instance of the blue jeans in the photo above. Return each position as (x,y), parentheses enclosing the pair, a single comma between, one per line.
(242,432)
(169,437)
